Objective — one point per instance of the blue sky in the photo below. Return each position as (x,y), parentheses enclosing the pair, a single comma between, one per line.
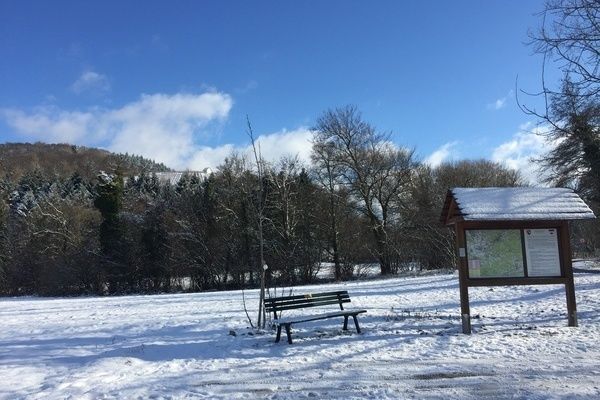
(175,80)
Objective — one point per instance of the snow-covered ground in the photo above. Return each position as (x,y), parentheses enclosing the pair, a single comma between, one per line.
(180,346)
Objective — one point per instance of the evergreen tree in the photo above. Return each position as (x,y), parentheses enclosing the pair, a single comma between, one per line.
(575,160)
(308,230)
(155,249)
(4,256)
(108,200)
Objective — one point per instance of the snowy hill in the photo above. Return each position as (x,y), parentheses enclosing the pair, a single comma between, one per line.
(180,346)
(18,159)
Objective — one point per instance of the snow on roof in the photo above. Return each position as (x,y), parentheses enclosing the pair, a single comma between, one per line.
(521,203)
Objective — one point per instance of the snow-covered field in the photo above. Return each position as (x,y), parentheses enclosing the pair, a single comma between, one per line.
(180,346)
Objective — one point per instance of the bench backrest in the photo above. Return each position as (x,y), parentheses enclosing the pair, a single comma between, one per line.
(278,304)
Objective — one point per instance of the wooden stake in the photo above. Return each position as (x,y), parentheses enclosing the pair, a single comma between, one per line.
(465,311)
(568,273)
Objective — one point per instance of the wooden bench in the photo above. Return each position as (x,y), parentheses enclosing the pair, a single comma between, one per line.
(278,304)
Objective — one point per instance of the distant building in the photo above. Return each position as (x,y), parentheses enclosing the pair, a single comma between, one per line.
(172,178)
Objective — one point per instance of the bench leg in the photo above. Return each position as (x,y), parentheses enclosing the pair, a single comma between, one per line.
(356,323)
(278,338)
(345,323)
(288,331)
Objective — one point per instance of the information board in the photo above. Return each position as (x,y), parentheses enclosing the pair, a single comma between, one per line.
(495,253)
(541,248)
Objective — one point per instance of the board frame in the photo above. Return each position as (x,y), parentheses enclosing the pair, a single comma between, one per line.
(465,282)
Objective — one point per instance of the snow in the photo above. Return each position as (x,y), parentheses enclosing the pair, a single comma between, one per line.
(174,177)
(183,345)
(522,203)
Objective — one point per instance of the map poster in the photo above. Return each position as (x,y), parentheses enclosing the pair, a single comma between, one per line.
(494,253)
(541,248)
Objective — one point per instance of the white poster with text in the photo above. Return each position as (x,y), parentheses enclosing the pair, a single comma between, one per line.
(541,248)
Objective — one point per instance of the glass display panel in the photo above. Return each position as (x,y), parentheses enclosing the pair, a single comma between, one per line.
(541,247)
(495,253)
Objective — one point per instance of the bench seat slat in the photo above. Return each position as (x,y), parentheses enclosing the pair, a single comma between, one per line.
(306,299)
(313,295)
(306,304)
(315,317)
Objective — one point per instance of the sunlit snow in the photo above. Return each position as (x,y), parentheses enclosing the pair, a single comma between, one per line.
(183,346)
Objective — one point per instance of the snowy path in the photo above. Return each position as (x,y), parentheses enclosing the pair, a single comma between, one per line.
(178,346)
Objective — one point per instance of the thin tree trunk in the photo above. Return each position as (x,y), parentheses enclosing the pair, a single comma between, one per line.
(260,209)
(334,242)
(261,316)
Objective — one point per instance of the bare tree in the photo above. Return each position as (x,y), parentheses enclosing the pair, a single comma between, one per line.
(284,212)
(376,171)
(429,242)
(569,38)
(574,160)
(260,209)
(328,174)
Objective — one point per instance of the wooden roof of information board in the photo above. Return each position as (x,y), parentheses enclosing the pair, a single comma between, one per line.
(513,204)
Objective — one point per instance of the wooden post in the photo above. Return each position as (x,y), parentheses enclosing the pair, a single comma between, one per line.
(565,246)
(465,312)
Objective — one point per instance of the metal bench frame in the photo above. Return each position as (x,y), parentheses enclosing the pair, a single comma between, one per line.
(278,304)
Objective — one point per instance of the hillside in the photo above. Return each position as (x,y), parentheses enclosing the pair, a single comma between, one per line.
(64,159)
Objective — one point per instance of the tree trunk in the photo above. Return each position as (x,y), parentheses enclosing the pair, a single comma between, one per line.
(334,240)
(382,250)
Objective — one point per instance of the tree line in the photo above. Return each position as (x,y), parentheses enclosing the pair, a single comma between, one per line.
(66,230)
(362,200)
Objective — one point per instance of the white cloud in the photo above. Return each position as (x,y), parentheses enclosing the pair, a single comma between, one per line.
(500,103)
(297,142)
(90,81)
(520,152)
(272,147)
(443,153)
(159,126)
(211,157)
(51,124)
(165,128)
